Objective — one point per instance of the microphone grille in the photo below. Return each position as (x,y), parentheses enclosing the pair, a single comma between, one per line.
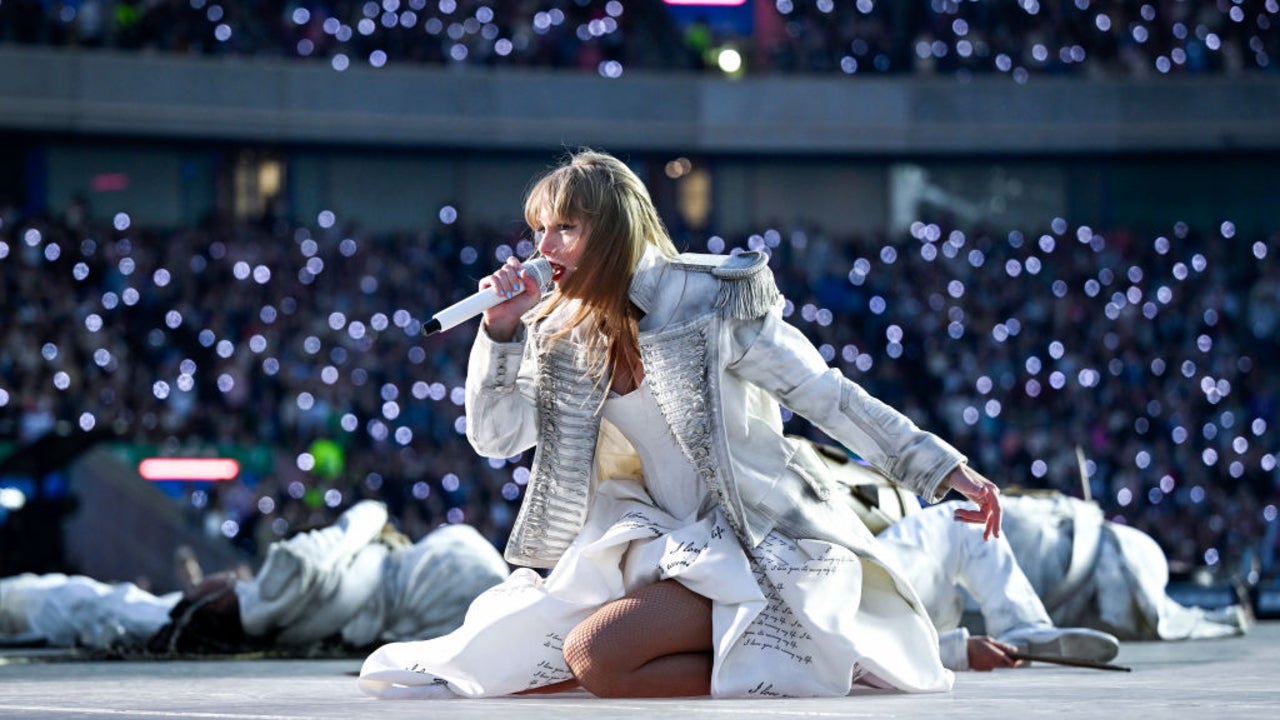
(540,270)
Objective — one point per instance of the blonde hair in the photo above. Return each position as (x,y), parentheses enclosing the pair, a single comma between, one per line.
(619,220)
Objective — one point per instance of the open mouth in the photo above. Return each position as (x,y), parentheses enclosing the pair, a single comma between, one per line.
(557,271)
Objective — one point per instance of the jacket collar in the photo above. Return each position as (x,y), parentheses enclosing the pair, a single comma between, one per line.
(645,279)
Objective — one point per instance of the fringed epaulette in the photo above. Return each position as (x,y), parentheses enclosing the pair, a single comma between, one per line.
(747,288)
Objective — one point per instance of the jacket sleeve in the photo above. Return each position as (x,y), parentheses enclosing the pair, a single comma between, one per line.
(953,648)
(777,357)
(502,415)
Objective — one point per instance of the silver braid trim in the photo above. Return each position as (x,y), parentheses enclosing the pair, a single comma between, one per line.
(678,366)
(747,289)
(747,297)
(559,492)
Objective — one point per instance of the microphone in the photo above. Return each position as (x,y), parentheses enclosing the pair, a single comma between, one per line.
(537,269)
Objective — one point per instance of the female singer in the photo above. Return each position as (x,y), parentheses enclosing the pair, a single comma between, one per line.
(693,548)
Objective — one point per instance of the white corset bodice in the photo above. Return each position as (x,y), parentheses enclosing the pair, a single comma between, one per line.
(670,479)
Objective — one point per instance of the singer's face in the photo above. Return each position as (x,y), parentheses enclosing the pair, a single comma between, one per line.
(561,242)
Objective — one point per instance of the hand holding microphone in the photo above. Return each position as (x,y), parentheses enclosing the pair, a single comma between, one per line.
(506,295)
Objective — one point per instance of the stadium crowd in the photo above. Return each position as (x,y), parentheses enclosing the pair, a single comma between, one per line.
(301,343)
(950,37)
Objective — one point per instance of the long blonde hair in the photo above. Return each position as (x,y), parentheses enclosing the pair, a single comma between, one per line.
(603,194)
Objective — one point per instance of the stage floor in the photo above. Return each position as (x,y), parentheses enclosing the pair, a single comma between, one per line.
(1237,678)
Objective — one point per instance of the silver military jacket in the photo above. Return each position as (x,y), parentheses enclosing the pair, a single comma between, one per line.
(719,359)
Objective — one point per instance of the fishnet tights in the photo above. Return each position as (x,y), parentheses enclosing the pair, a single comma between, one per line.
(655,642)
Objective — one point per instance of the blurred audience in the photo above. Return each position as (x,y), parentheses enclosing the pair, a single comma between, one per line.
(1148,352)
(297,349)
(951,37)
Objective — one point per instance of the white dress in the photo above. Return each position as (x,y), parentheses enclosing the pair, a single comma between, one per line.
(789,618)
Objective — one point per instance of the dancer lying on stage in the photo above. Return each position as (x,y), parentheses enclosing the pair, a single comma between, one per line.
(1105,575)
(1058,561)
(353,584)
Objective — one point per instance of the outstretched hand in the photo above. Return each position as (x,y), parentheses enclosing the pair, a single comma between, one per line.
(982,492)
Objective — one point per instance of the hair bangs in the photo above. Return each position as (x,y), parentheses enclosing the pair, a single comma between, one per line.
(560,195)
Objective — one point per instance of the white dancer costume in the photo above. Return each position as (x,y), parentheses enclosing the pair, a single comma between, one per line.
(939,556)
(338,580)
(74,610)
(1122,582)
(791,617)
